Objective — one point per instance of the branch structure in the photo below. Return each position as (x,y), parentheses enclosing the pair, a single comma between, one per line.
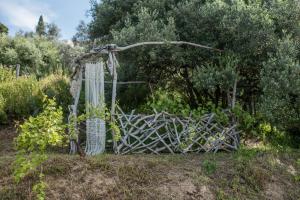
(114,47)
(155,133)
(166,133)
(165,43)
(107,49)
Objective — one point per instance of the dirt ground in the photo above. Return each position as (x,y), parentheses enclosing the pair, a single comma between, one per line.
(246,174)
(7,134)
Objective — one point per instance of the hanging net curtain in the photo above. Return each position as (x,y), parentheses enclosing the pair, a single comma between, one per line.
(95,108)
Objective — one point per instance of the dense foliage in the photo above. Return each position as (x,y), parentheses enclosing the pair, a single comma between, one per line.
(36,134)
(260,42)
(3,29)
(280,82)
(253,79)
(22,97)
(41,27)
(36,55)
(57,86)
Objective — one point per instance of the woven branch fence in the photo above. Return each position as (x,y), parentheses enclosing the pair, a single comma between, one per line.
(166,133)
(162,132)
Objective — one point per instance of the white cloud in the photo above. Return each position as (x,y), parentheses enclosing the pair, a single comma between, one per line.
(24,14)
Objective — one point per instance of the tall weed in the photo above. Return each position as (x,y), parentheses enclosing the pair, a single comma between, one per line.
(57,86)
(22,97)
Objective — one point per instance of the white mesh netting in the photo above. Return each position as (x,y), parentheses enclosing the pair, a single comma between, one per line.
(94,95)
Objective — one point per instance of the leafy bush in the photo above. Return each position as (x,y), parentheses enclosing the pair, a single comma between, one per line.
(277,138)
(36,134)
(22,96)
(221,76)
(172,102)
(246,122)
(3,116)
(6,74)
(57,86)
(46,129)
(36,55)
(280,83)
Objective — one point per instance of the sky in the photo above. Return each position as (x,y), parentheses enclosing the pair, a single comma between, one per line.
(24,14)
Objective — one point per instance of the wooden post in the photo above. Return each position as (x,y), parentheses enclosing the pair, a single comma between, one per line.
(18,70)
(236,141)
(114,63)
(234,93)
(114,90)
(75,91)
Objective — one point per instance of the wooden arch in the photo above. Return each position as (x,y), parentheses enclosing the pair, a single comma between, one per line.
(112,64)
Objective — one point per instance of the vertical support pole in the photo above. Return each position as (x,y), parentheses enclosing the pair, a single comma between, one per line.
(114,90)
(114,63)
(73,130)
(18,70)
(234,93)
(236,141)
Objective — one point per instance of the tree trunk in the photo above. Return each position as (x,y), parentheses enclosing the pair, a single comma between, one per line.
(190,88)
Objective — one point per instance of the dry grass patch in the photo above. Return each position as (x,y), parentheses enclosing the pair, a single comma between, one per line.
(246,174)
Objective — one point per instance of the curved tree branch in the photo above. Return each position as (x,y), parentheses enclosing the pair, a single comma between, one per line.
(163,43)
(113,47)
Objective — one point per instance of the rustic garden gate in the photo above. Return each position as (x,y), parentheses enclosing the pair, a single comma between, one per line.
(156,133)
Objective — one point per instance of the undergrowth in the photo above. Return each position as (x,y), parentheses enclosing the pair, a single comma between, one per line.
(245,174)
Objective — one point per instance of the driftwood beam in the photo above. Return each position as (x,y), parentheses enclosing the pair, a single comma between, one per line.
(165,43)
(113,47)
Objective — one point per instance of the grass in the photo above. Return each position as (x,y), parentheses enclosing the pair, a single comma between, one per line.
(245,174)
(209,166)
(249,173)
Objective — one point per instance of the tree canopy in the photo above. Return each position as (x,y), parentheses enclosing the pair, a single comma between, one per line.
(53,32)
(41,27)
(3,29)
(252,35)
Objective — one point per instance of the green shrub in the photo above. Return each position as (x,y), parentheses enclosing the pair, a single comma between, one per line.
(38,133)
(246,122)
(276,138)
(6,74)
(46,129)
(3,116)
(57,86)
(36,55)
(22,97)
(175,103)
(280,82)
(172,102)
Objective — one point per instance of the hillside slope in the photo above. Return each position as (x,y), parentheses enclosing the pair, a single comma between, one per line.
(247,174)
